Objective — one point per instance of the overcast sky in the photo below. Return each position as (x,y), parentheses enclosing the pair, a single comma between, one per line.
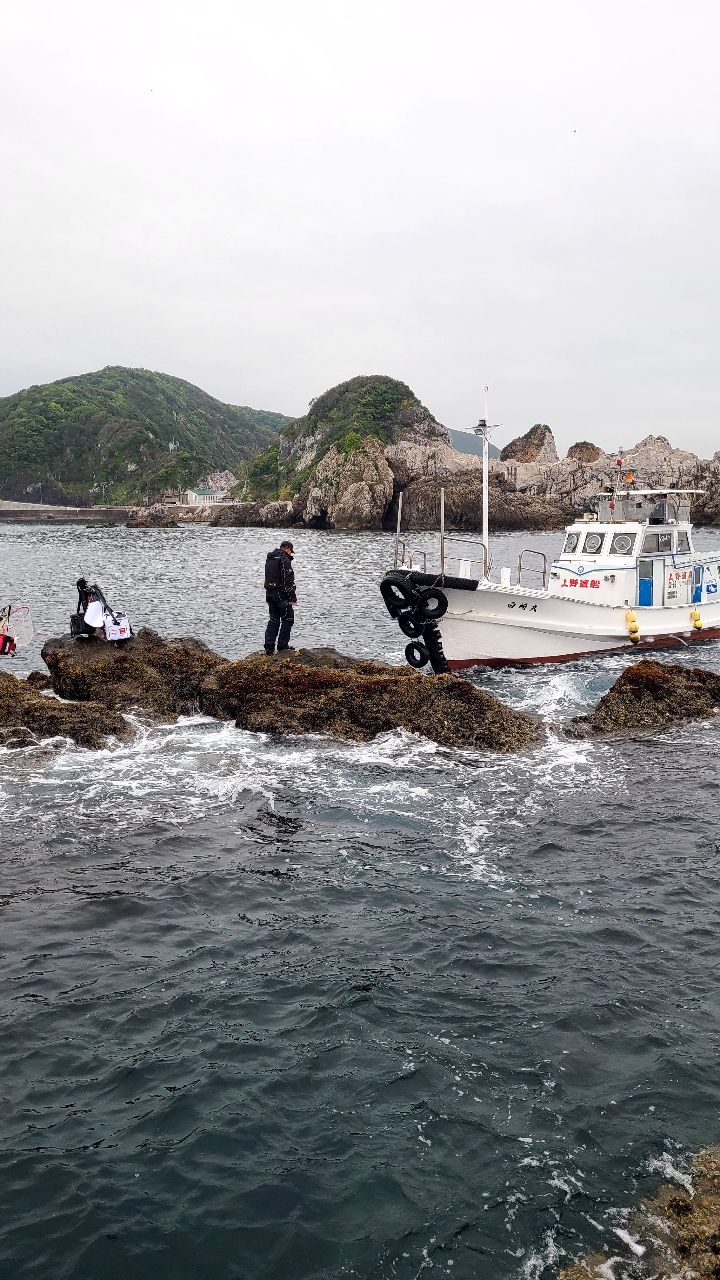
(268,198)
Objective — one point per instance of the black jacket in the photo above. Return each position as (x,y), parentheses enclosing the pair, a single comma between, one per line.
(279,576)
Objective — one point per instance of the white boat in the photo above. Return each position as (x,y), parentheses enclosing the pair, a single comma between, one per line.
(627,575)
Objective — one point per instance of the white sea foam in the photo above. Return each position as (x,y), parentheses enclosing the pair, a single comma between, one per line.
(663,1164)
(467,805)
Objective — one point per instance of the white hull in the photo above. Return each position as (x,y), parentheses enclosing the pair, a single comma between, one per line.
(497,626)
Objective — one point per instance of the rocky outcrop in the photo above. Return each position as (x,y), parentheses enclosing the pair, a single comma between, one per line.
(160,676)
(463,506)
(248,515)
(651,695)
(537,445)
(359,444)
(584,451)
(306,691)
(27,716)
(348,490)
(576,480)
(156,517)
(677,1231)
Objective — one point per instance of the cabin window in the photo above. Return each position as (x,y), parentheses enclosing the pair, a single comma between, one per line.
(657,543)
(593,543)
(571,543)
(623,544)
(683,542)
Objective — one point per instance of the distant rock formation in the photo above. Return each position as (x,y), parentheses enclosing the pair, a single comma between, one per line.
(156,517)
(248,515)
(573,482)
(348,490)
(584,451)
(463,506)
(537,445)
(359,445)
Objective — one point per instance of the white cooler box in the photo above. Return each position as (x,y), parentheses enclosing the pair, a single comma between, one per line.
(119,629)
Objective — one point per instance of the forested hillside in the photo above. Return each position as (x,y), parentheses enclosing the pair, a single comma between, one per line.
(346,416)
(120,434)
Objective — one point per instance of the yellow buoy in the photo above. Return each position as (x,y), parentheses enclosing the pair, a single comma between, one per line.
(632,625)
(696,619)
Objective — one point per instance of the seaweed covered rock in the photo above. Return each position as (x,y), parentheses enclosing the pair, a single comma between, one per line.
(651,695)
(161,676)
(304,691)
(313,691)
(26,716)
(678,1230)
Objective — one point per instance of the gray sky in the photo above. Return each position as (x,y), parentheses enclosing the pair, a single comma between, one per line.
(269,198)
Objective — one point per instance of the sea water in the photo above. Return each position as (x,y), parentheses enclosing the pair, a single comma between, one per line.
(298,1008)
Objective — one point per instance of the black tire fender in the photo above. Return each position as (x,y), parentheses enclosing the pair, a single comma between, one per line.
(411,625)
(417,654)
(432,603)
(397,592)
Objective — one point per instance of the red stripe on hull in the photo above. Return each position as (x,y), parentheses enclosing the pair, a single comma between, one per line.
(660,642)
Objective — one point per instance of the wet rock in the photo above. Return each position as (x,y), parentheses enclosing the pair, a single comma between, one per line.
(679,1231)
(537,445)
(161,676)
(39,680)
(303,693)
(651,695)
(26,716)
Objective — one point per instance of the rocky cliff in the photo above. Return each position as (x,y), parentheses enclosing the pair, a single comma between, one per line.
(344,462)
(573,481)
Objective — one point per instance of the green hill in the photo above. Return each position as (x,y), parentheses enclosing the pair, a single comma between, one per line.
(121,433)
(367,407)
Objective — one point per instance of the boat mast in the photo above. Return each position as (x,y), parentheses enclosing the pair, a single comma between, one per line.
(482,430)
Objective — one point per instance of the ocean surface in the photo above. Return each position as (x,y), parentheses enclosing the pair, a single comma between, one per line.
(301,1009)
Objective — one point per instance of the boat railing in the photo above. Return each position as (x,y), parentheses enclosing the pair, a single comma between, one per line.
(404,558)
(528,551)
(464,557)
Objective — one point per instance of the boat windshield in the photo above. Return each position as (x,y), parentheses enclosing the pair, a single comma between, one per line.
(623,544)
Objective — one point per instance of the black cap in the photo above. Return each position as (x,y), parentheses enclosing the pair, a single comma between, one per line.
(287,544)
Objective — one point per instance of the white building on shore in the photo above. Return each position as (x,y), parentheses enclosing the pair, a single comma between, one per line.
(202,497)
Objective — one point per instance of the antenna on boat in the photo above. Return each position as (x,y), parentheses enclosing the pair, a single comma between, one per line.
(482,429)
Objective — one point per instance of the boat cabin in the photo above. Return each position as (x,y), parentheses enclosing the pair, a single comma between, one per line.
(636,551)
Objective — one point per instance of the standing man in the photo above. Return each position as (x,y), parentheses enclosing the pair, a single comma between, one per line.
(280,596)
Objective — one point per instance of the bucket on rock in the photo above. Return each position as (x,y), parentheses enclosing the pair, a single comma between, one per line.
(117,627)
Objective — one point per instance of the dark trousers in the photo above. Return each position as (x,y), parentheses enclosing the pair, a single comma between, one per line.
(282,617)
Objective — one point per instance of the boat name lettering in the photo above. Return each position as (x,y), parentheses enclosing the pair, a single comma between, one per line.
(580,582)
(679,574)
(512,604)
